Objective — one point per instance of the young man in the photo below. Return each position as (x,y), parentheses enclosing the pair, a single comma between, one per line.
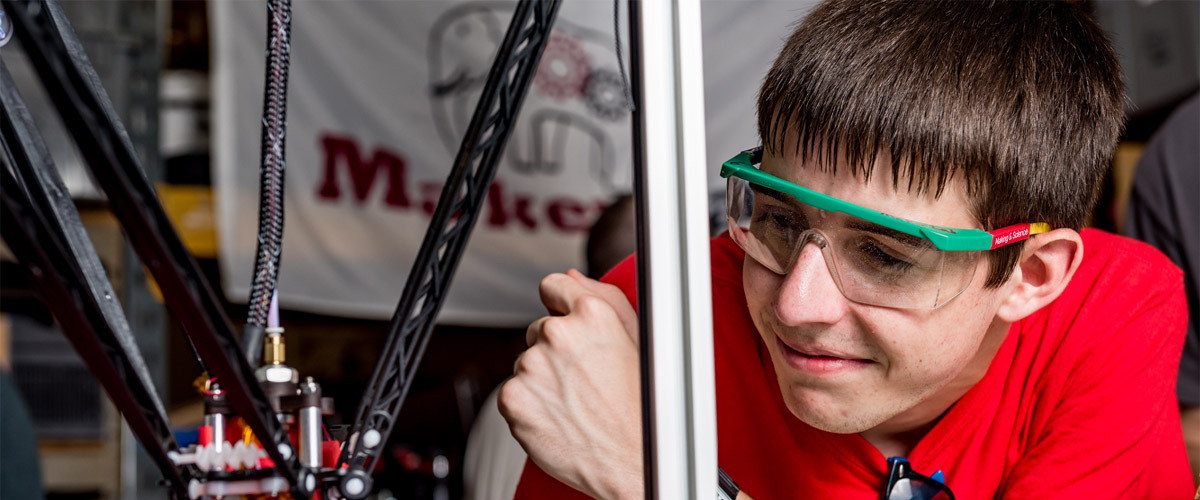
(876,295)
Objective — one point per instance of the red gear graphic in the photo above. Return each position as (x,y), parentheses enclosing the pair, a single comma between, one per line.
(564,69)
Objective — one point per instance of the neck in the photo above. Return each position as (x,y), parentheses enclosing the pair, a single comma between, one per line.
(896,444)
(897,436)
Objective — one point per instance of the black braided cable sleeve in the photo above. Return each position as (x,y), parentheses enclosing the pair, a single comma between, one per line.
(271,175)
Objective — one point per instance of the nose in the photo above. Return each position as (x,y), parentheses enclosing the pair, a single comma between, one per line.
(808,293)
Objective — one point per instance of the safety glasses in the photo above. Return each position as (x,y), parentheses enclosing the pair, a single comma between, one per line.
(904,484)
(875,258)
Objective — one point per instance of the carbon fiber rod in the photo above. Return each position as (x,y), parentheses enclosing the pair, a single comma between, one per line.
(32,163)
(457,210)
(61,277)
(73,86)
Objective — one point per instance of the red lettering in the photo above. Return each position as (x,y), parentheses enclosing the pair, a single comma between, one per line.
(430,192)
(503,206)
(342,150)
(500,213)
(568,215)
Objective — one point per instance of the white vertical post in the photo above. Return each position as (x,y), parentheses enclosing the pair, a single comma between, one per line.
(682,402)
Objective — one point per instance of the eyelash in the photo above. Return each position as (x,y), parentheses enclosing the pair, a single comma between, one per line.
(871,250)
(776,219)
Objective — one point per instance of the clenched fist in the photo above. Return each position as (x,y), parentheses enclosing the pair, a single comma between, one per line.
(574,402)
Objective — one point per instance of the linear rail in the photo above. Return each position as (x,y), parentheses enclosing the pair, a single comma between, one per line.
(674,292)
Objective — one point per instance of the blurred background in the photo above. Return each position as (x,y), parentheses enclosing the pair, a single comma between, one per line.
(379,96)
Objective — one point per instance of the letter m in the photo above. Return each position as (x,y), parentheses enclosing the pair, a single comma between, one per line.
(343,151)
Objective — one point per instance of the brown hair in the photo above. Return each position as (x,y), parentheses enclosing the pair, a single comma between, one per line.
(1022,99)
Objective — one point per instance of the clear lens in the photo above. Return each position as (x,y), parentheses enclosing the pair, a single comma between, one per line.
(871,264)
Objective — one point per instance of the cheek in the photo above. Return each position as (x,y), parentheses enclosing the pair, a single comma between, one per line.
(933,348)
(751,283)
(760,286)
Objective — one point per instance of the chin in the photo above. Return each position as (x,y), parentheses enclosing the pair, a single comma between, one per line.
(821,412)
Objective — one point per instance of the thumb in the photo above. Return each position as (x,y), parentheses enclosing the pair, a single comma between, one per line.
(615,299)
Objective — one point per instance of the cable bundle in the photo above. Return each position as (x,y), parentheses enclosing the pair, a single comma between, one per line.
(271,190)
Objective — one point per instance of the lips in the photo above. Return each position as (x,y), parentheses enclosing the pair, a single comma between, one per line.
(820,360)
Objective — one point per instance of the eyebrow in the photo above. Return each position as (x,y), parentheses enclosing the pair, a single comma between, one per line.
(856,223)
(776,195)
(903,238)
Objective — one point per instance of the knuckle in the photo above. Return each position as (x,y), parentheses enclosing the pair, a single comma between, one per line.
(531,361)
(549,281)
(591,305)
(553,331)
(517,364)
(532,333)
(507,399)
(505,394)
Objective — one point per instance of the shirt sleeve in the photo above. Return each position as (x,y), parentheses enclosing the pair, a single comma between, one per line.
(536,485)
(1113,428)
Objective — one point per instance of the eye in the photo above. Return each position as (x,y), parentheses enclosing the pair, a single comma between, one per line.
(774,219)
(779,223)
(778,227)
(883,258)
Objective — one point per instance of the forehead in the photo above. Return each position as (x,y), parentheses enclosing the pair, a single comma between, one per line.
(950,209)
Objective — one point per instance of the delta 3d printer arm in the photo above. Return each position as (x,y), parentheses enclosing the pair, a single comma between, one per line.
(43,228)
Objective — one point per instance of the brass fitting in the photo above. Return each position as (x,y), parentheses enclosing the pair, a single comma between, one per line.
(273,347)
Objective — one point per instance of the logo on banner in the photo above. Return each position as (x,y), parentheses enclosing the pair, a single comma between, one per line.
(572,108)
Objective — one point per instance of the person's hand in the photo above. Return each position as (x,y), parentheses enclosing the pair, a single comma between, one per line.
(574,402)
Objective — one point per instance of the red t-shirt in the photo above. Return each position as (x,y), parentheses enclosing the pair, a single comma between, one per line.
(1079,402)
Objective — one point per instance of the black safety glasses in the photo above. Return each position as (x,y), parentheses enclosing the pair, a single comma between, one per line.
(905,484)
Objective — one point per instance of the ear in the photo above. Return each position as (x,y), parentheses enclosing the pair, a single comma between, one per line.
(1046,266)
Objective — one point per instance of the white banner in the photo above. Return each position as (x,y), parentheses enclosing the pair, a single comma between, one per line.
(379,96)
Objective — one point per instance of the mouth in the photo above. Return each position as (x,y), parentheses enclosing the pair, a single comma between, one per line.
(820,361)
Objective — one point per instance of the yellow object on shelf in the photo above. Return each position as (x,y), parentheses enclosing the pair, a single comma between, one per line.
(190,209)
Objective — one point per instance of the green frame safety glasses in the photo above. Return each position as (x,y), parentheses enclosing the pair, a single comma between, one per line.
(874,258)
(944,238)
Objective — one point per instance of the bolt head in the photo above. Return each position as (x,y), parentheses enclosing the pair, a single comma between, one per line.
(354,486)
(371,438)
